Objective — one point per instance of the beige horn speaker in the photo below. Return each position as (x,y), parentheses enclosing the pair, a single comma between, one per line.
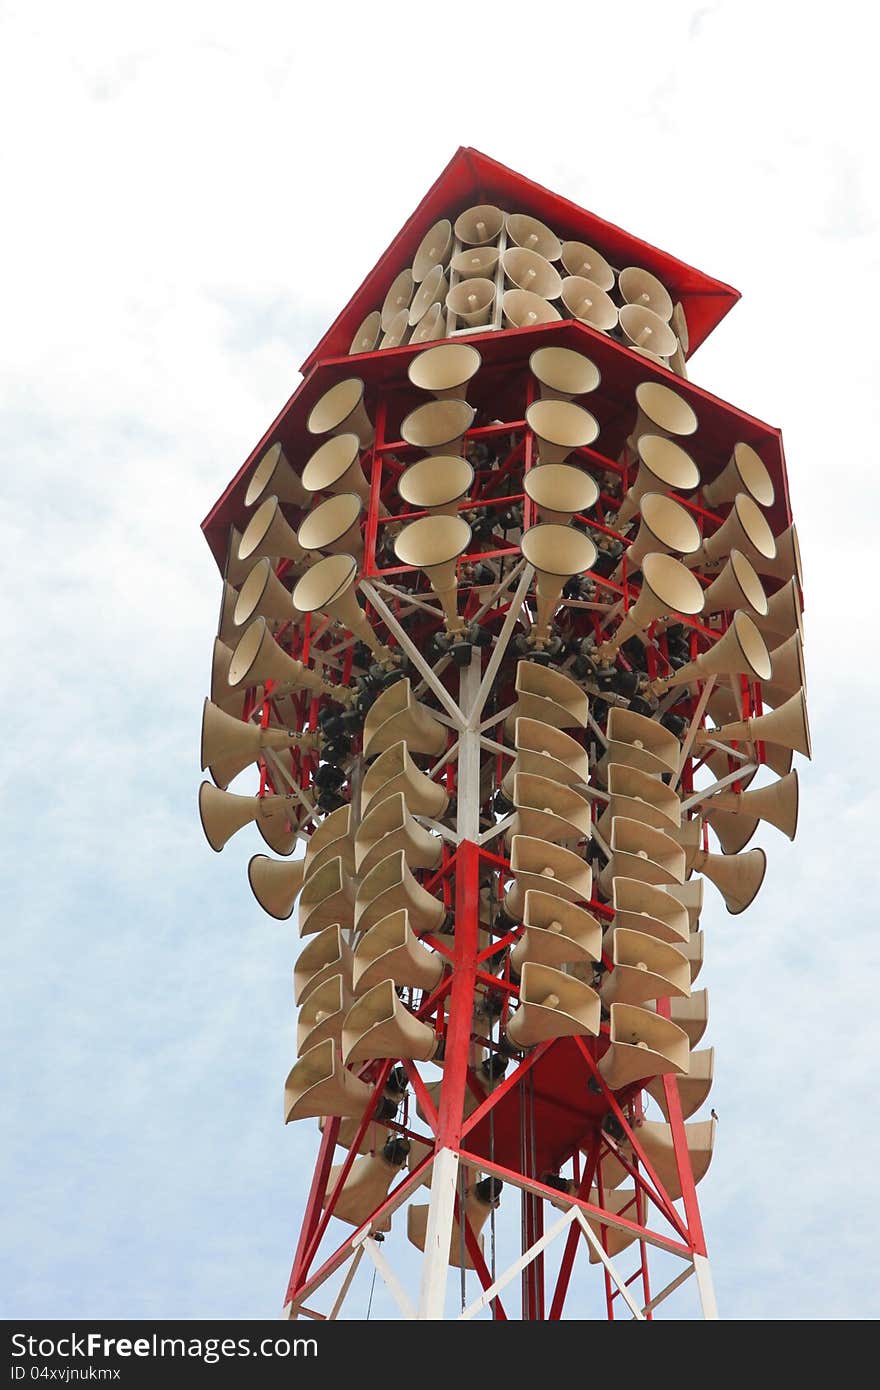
(787,725)
(263,595)
(367,335)
(523,309)
(585,262)
(690,896)
(366,1184)
(329,588)
(558,553)
(552,1005)
(733,831)
(656,1139)
(548,696)
(229,745)
(547,868)
(230,701)
(661,411)
(334,526)
(524,230)
(562,373)
(478,225)
(666,527)
(741,651)
(391,950)
(274,477)
(436,484)
(776,803)
(745,529)
(327,898)
(678,324)
(378,1024)
(787,561)
(639,851)
(477,1207)
(275,885)
(322,1015)
(434,545)
(398,298)
(639,742)
(693,1089)
(667,588)
(268,533)
(389,827)
(642,1045)
(390,886)
(226,627)
(395,334)
(789,673)
(644,968)
(784,614)
(663,466)
(585,301)
(445,371)
(556,933)
(332,839)
(640,287)
(544,751)
(645,908)
(335,466)
(397,715)
(560,491)
(526,270)
(643,329)
(434,248)
(737,587)
(639,796)
(235,571)
(432,290)
(738,877)
(472,300)
(326,955)
(549,811)
(746,472)
(475,263)
(341,410)
(318,1084)
(438,426)
(394,771)
(431,326)
(258,659)
(224,813)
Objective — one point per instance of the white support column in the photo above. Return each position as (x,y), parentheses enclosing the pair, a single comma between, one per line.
(706,1286)
(438,1237)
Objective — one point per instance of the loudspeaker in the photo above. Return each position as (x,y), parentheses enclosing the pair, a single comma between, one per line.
(322,1015)
(644,968)
(366,1186)
(656,1140)
(326,955)
(665,527)
(642,1045)
(477,1209)
(263,595)
(738,877)
(777,804)
(737,586)
(229,744)
(389,827)
(693,950)
(391,950)
(394,772)
(557,553)
(378,1024)
(434,248)
(746,529)
(367,335)
(667,588)
(268,533)
(741,651)
(522,309)
(274,477)
(436,484)
(258,658)
(642,907)
(341,410)
(678,324)
(639,851)
(663,465)
(472,300)
(547,868)
(395,333)
(398,298)
(788,674)
(335,467)
(527,270)
(786,563)
(639,742)
(477,225)
(446,371)
(548,696)
(275,885)
(690,836)
(390,886)
(544,751)
(690,896)
(334,525)
(693,1089)
(226,628)
(691,1014)
(319,1085)
(552,1005)
(432,290)
(548,811)
(431,326)
(643,329)
(585,262)
(224,813)
(562,373)
(556,933)
(640,287)
(526,231)
(328,587)
(230,701)
(332,839)
(746,472)
(585,301)
(434,545)
(784,613)
(663,412)
(560,491)
(733,832)
(235,571)
(327,898)
(477,262)
(639,796)
(438,426)
(786,725)
(397,715)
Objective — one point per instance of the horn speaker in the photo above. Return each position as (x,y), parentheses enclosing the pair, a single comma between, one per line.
(378,1024)
(394,771)
(319,1085)
(663,465)
(322,1015)
(644,908)
(562,373)
(552,1005)
(786,725)
(527,270)
(548,696)
(667,588)
(390,827)
(431,326)
(661,411)
(327,897)
(438,425)
(585,262)
(335,467)
(777,803)
(560,491)
(641,852)
(546,810)
(585,301)
(268,533)
(391,950)
(788,674)
(738,877)
(446,371)
(526,231)
(477,1211)
(546,752)
(263,595)
(366,1185)
(746,472)
(341,410)
(476,263)
(644,289)
(432,290)
(665,527)
(472,300)
(657,1142)
(274,477)
(397,715)
(522,309)
(556,933)
(334,525)
(398,298)
(434,248)
(224,813)
(395,333)
(741,651)
(275,885)
(328,587)
(390,886)
(745,529)
(693,1089)
(639,742)
(787,561)
(547,868)
(436,484)
(332,839)
(784,613)
(258,659)
(642,1045)
(639,796)
(643,329)
(434,545)
(367,335)
(737,586)
(478,225)
(644,968)
(326,955)
(557,554)
(229,744)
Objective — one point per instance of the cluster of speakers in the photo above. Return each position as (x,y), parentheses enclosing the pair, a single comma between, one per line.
(496,269)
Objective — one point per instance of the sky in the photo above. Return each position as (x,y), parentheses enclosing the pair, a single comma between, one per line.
(193,191)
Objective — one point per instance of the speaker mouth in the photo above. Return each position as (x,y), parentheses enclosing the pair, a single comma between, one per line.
(433,249)
(560,487)
(586,302)
(527,270)
(522,309)
(436,481)
(472,300)
(432,290)
(478,225)
(445,367)
(399,296)
(755,526)
(562,369)
(562,424)
(437,423)
(330,462)
(257,527)
(396,332)
(325,582)
(328,524)
(430,326)
(753,475)
(586,263)
(640,287)
(753,646)
(646,330)
(669,462)
(558,550)
(669,524)
(749,582)
(367,335)
(262,474)
(335,406)
(433,540)
(252,591)
(245,653)
(532,235)
(674,586)
(476,263)
(665,409)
